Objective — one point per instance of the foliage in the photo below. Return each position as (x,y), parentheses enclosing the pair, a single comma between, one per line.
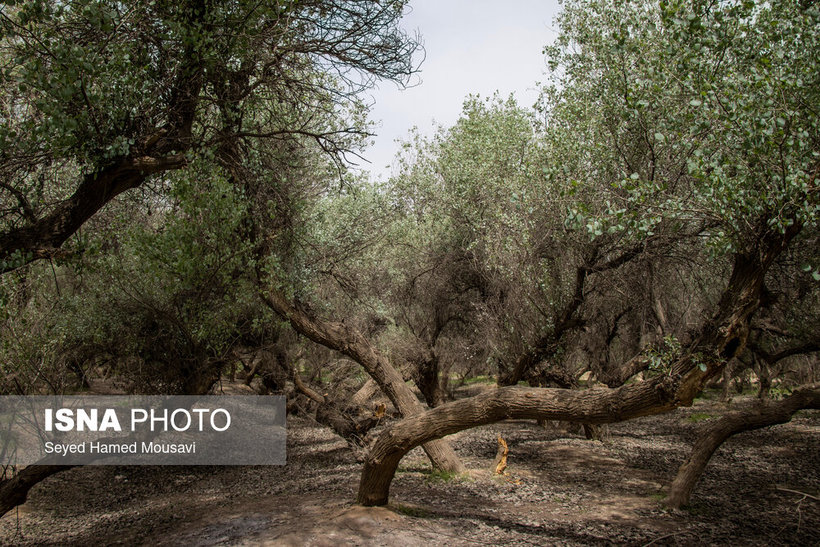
(93,88)
(672,138)
(168,300)
(696,417)
(697,109)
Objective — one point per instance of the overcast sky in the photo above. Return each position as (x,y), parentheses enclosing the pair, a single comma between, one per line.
(472,46)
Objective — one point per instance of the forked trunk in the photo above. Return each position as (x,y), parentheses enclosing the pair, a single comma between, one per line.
(349,341)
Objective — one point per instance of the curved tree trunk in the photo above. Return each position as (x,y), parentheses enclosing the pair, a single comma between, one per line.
(716,434)
(14,491)
(349,341)
(719,340)
(43,238)
(592,406)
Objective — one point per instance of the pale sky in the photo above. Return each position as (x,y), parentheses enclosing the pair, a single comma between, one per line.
(472,46)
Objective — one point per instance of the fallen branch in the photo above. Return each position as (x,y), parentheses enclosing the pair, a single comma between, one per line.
(500,463)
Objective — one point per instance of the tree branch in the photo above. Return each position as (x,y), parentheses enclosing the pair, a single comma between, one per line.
(39,239)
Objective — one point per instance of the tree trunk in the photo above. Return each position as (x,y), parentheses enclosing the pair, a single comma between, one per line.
(616,376)
(201,376)
(14,491)
(727,384)
(764,377)
(159,151)
(349,341)
(365,393)
(42,239)
(716,434)
(427,378)
(592,406)
(351,421)
(592,432)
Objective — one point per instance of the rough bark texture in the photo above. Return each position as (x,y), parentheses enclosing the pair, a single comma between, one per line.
(594,406)
(14,491)
(365,393)
(350,421)
(717,433)
(616,376)
(349,341)
(427,378)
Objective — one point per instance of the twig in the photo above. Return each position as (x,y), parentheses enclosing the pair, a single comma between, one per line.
(664,537)
(805,495)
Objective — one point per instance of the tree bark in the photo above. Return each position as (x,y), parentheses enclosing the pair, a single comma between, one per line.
(716,434)
(365,393)
(14,491)
(351,421)
(349,341)
(726,386)
(592,406)
(617,376)
(43,238)
(766,364)
(427,378)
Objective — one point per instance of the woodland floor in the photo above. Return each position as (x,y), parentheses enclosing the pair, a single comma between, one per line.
(561,489)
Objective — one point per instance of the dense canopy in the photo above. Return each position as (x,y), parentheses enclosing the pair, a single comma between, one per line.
(178,212)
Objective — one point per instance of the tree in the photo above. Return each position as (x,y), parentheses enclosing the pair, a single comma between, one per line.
(101,97)
(733,423)
(675,153)
(107,94)
(675,76)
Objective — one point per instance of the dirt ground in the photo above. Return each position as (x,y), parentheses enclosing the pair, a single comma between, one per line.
(561,490)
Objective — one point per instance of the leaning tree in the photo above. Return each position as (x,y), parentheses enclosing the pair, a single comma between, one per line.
(102,97)
(671,117)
